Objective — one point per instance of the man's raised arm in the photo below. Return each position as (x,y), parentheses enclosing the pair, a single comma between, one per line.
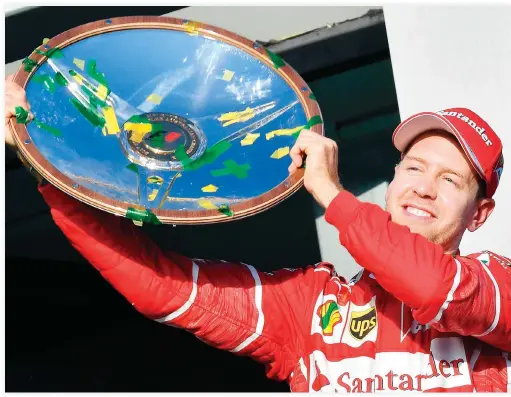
(229,306)
(232,307)
(452,293)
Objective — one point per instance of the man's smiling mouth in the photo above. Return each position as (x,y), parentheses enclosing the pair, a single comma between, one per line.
(418,212)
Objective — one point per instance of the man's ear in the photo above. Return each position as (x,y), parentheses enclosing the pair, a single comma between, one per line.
(485,207)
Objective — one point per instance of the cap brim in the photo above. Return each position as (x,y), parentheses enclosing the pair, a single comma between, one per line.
(414,126)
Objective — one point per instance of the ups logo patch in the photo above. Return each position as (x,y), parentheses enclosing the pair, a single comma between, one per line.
(362,323)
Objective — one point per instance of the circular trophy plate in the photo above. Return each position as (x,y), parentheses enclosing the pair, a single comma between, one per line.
(164,120)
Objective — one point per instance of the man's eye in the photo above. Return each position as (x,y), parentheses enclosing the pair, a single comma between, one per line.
(413,168)
(450,180)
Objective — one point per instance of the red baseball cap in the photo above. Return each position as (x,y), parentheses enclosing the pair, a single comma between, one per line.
(481,145)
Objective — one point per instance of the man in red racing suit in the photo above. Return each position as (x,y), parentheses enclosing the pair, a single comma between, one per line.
(417,318)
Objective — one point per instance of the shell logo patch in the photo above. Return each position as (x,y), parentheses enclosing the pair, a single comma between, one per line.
(329,316)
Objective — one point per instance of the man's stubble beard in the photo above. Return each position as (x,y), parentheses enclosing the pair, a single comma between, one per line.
(447,238)
(431,235)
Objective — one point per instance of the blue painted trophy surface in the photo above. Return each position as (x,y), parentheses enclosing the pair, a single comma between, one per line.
(164,120)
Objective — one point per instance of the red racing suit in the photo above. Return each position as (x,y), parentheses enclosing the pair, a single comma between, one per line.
(415,319)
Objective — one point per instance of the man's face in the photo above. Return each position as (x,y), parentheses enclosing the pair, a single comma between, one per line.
(434,191)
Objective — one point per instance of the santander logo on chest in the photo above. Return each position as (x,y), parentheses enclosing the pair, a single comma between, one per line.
(445,367)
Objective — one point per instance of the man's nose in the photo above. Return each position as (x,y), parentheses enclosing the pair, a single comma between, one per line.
(426,187)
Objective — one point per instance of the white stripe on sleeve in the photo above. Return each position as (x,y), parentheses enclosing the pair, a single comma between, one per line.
(450,295)
(188,303)
(260,318)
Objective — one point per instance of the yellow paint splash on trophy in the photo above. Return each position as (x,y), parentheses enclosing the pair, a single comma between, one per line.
(283,132)
(111,124)
(228,75)
(209,188)
(154,98)
(237,117)
(249,139)
(207,204)
(279,153)
(80,63)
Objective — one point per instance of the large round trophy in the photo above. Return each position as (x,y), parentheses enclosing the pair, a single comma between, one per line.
(163,120)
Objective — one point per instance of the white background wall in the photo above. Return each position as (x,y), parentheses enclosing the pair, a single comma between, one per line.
(459,56)
(12,8)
